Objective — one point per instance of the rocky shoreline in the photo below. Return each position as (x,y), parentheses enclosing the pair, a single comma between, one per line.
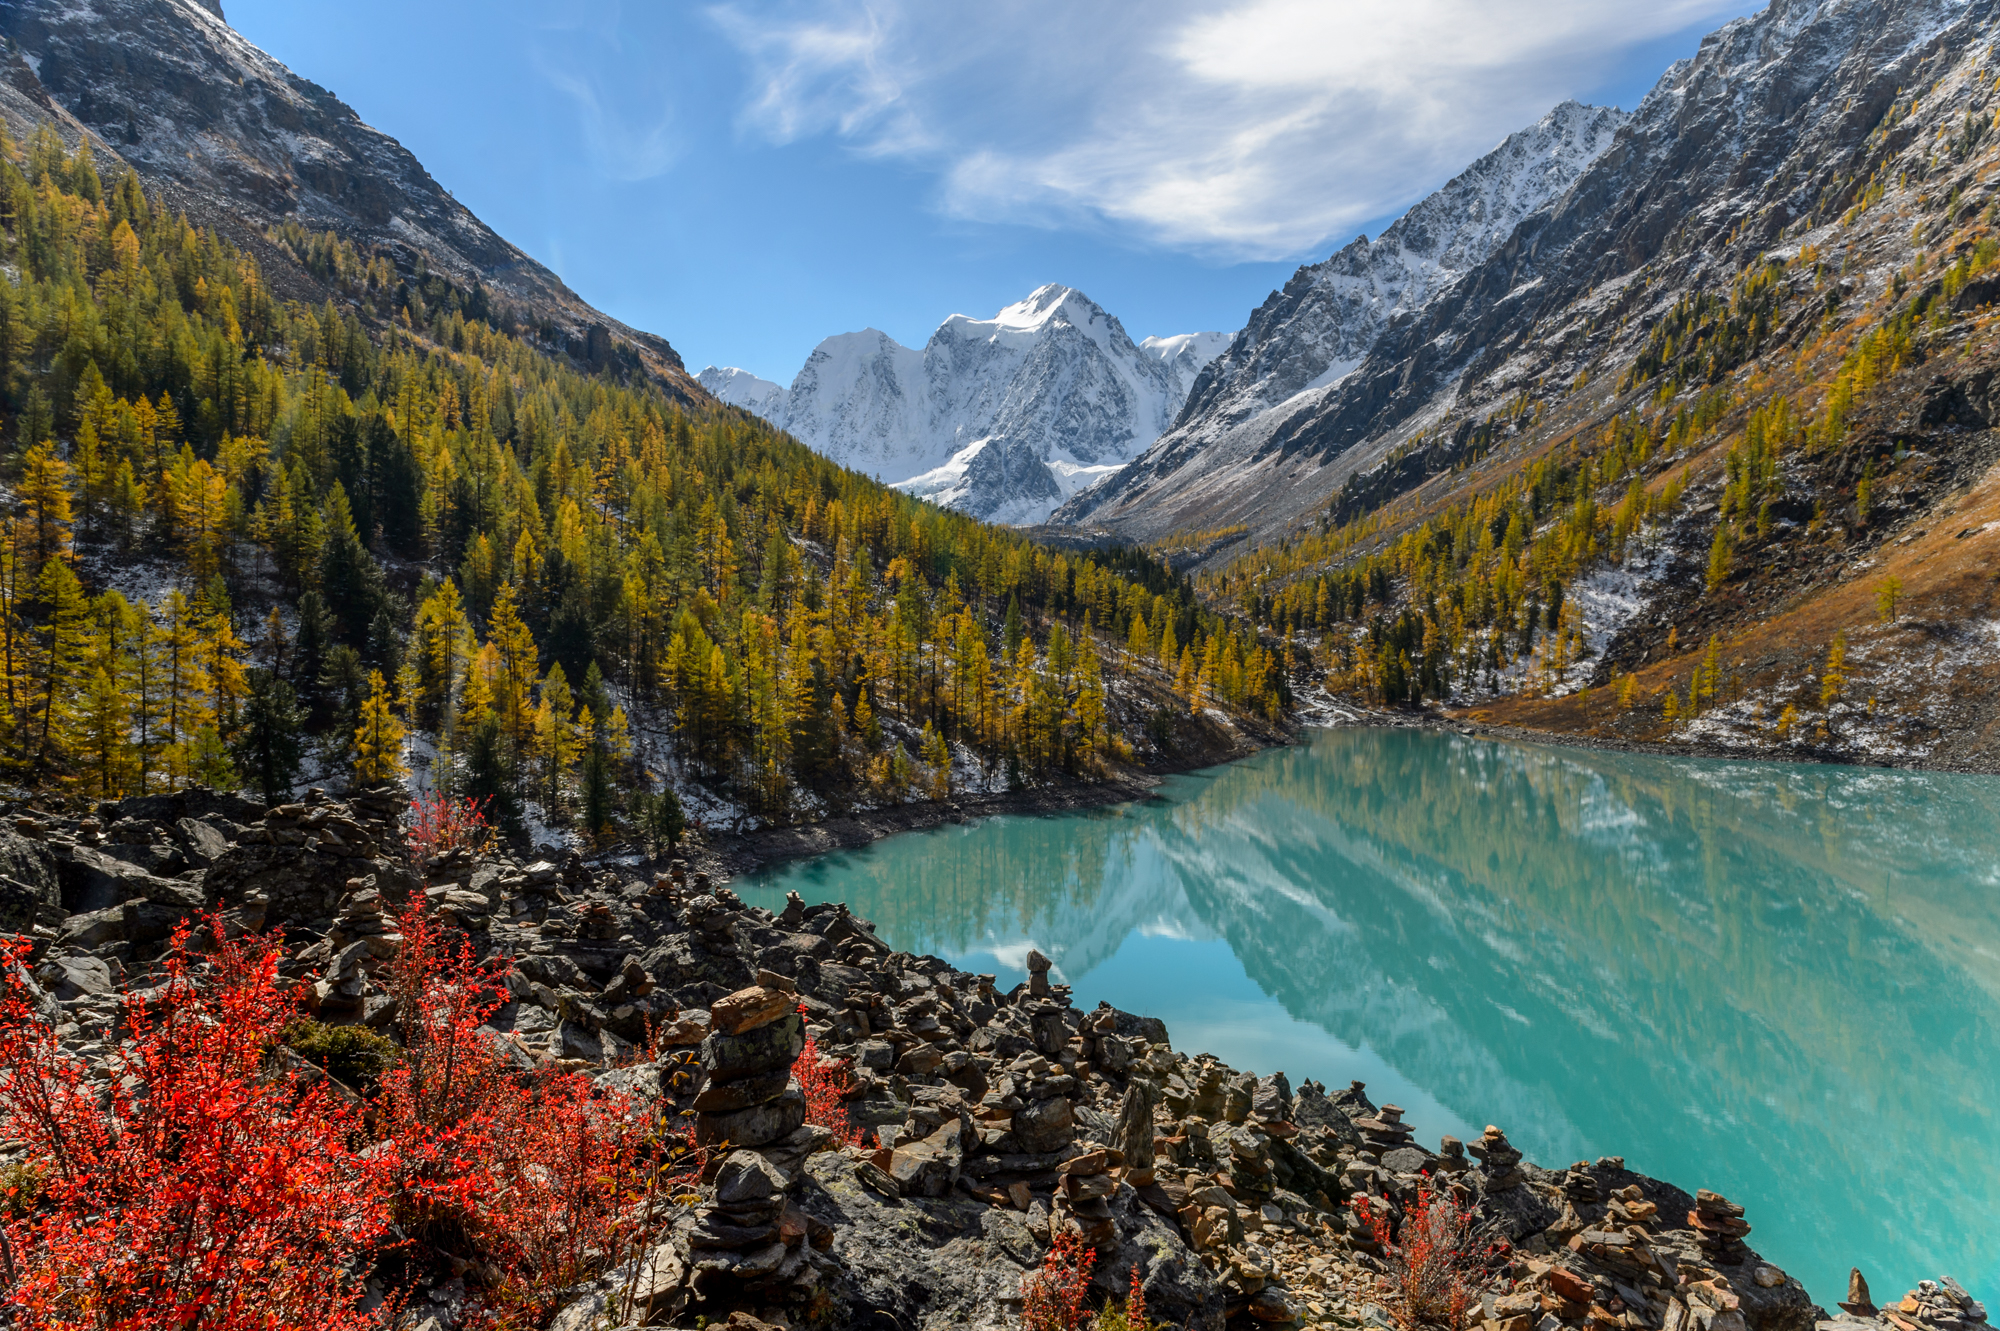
(995,1121)
(1201,745)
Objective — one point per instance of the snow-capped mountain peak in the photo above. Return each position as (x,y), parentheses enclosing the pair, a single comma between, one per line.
(1003,417)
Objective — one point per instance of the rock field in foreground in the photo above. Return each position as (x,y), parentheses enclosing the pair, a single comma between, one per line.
(997,1118)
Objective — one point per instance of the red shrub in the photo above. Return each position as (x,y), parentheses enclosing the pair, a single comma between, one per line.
(1055,1295)
(439,823)
(1432,1265)
(539,1177)
(827,1084)
(200,1186)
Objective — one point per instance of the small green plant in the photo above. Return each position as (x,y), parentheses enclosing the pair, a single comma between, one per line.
(352,1055)
(21,1186)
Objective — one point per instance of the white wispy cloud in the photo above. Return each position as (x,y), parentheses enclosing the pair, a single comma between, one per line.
(1246,128)
(624,143)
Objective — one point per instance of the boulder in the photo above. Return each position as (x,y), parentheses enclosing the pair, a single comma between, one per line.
(300,884)
(29,891)
(74,977)
(93,929)
(929,1168)
(204,841)
(1047,1125)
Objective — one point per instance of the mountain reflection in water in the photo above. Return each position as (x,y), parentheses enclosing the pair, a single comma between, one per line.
(1778,981)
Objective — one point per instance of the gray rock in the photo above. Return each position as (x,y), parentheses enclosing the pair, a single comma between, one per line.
(1133,1134)
(93,929)
(73,977)
(1046,1125)
(204,841)
(1406,1160)
(758,1125)
(747,1178)
(576,1040)
(150,921)
(753,1053)
(93,880)
(160,858)
(929,1168)
(28,885)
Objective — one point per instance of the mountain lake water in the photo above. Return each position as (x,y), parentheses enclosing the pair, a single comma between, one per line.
(1779,981)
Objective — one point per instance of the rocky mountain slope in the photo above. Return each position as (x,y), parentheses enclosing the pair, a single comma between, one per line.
(1303,343)
(1704,455)
(239,141)
(1003,418)
(993,1122)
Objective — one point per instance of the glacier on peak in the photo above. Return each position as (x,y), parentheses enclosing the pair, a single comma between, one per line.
(1004,418)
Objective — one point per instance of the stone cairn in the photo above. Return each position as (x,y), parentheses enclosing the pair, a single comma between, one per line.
(1386,1131)
(1934,1305)
(1502,1161)
(1719,1227)
(1580,1186)
(750,1098)
(1451,1156)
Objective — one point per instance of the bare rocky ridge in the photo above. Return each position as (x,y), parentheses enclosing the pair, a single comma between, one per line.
(999,1117)
(238,141)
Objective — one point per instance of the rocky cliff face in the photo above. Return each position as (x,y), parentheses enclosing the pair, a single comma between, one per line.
(1004,417)
(239,141)
(1304,342)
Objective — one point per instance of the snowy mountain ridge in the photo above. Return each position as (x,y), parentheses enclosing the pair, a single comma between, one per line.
(1305,340)
(1004,418)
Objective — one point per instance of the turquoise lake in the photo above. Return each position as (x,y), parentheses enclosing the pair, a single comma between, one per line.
(1778,981)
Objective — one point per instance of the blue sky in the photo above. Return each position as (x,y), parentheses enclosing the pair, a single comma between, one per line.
(746,178)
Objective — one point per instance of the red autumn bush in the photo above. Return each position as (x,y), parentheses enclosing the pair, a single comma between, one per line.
(439,823)
(204,1184)
(538,1178)
(196,1185)
(1434,1264)
(827,1084)
(1054,1298)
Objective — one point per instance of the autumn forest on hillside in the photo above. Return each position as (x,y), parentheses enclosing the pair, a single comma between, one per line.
(258,541)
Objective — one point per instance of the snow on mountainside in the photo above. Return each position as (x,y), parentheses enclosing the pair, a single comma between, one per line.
(1304,340)
(740,388)
(1004,418)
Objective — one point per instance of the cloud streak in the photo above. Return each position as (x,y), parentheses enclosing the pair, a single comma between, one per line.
(1246,129)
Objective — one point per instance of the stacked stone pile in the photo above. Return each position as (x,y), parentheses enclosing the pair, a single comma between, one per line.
(1501,1161)
(1720,1225)
(750,1098)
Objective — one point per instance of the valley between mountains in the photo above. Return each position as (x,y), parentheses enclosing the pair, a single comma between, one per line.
(398,655)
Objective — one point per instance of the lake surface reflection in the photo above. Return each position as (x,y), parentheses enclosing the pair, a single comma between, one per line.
(1778,981)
